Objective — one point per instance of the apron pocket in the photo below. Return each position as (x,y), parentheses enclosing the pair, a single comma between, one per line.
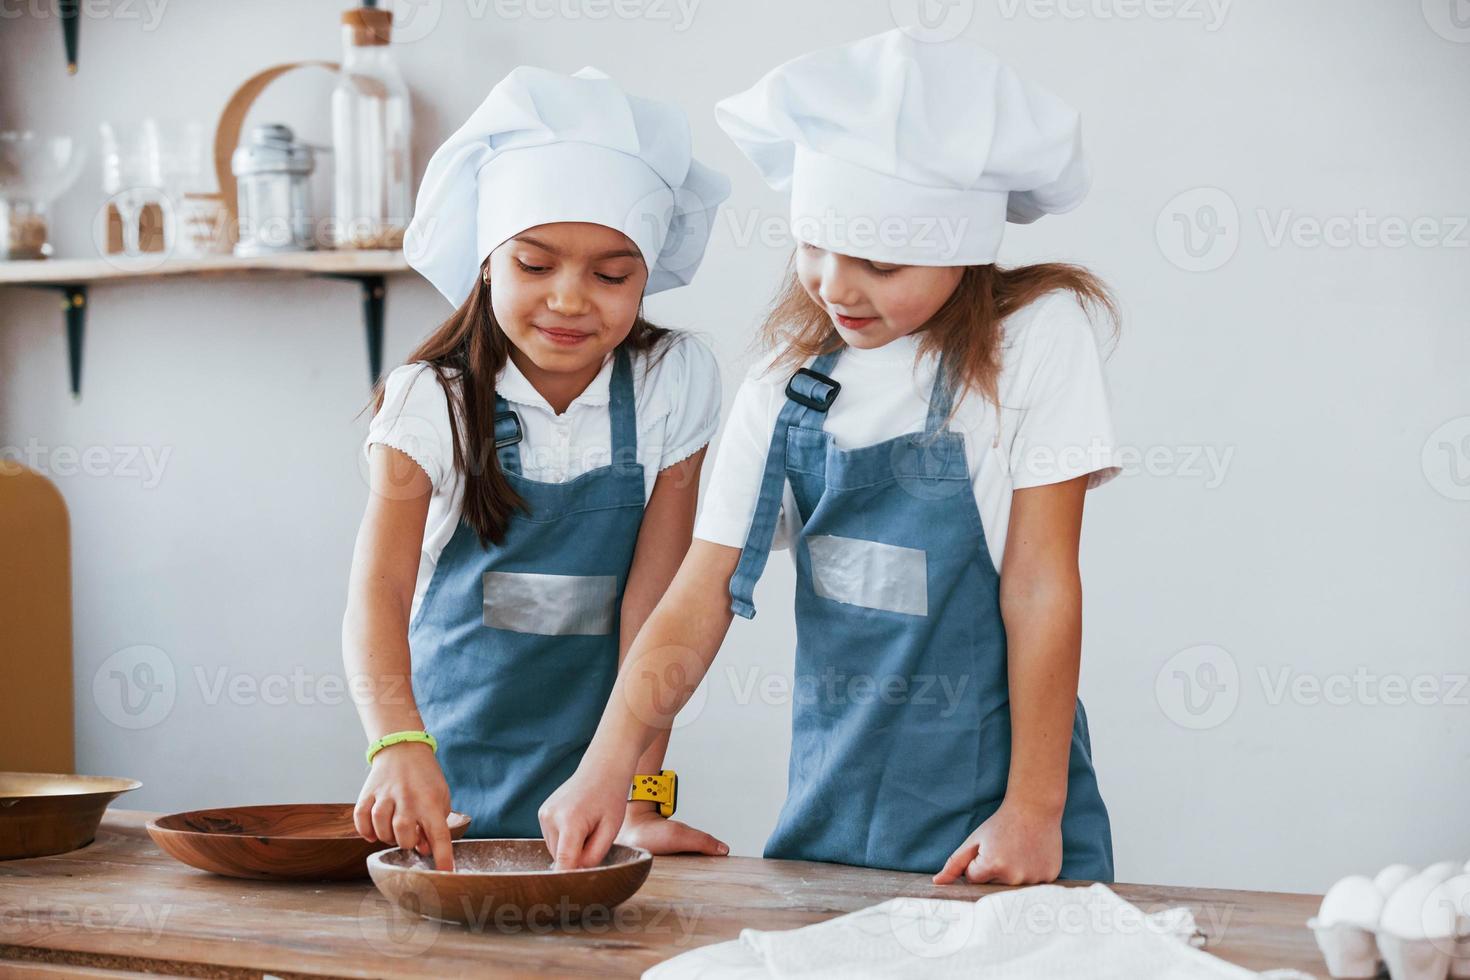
(551,605)
(870,574)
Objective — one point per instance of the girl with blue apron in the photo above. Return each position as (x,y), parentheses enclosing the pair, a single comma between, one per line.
(899,776)
(515,646)
(898,154)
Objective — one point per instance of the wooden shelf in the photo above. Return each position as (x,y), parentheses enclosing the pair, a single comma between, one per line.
(114,268)
(71,277)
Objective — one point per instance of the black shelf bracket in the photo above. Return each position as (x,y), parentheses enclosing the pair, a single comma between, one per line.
(74,306)
(374,295)
(70,11)
(374,288)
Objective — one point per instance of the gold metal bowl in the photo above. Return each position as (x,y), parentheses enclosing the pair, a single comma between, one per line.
(51,813)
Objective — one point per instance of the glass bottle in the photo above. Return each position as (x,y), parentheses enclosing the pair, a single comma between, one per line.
(371,197)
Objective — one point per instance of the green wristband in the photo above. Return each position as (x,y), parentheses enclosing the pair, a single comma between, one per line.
(393,738)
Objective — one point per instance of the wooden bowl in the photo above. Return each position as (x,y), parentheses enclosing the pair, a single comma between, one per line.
(279,842)
(507,883)
(51,813)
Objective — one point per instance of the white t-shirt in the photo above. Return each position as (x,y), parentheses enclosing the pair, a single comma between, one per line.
(677,403)
(1055,422)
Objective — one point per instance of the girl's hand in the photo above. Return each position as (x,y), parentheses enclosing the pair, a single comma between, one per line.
(1017,845)
(643,827)
(580,820)
(405,801)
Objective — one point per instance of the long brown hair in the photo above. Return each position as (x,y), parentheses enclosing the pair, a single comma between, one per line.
(967,328)
(471,346)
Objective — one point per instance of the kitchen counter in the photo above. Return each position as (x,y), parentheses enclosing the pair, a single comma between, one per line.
(121,906)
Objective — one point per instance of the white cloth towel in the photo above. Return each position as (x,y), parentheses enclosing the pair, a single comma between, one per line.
(1036,933)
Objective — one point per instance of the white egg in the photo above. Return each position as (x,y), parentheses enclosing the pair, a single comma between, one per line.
(1441,871)
(1389,879)
(1416,911)
(1441,915)
(1353,900)
(1456,892)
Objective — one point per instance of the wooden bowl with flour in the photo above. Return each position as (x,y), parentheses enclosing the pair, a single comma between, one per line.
(508,884)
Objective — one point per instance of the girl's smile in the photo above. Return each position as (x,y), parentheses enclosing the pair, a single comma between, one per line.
(564,337)
(853,323)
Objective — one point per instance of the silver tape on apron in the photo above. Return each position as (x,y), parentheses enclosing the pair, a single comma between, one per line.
(551,605)
(870,574)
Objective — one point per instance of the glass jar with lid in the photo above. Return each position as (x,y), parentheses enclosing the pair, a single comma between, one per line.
(370,137)
(271,170)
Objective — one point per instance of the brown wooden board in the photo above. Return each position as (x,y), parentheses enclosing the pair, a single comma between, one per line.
(121,904)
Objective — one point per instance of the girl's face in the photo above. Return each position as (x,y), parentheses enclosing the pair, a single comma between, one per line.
(566,293)
(873,303)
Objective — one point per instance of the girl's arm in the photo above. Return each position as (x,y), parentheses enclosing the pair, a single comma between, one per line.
(666,662)
(1041,605)
(405,799)
(663,541)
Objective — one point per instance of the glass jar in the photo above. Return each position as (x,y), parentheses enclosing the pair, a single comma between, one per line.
(370,137)
(271,172)
(34,171)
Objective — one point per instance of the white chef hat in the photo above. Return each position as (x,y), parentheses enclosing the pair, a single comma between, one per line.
(899,150)
(547,147)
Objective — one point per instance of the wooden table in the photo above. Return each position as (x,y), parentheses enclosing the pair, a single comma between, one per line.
(120,906)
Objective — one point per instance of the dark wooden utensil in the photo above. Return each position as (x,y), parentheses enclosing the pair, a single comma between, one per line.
(507,883)
(51,813)
(283,842)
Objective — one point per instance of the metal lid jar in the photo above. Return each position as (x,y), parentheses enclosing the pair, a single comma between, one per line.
(271,169)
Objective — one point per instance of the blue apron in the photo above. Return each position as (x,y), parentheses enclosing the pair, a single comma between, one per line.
(515,646)
(901,732)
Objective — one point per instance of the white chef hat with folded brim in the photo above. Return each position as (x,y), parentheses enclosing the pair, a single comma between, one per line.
(903,151)
(545,147)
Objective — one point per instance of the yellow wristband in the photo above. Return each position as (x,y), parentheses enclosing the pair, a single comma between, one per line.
(662,789)
(393,738)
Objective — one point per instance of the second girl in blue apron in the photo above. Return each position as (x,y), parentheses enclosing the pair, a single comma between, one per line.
(922,438)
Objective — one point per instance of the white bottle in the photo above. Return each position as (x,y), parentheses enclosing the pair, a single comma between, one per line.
(371,127)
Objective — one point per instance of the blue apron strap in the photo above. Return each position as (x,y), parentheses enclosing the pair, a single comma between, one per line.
(508,435)
(621,411)
(809,394)
(941,399)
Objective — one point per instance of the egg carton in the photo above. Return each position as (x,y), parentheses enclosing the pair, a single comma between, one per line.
(1416,925)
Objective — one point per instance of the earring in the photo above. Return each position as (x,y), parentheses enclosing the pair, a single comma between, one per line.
(485,276)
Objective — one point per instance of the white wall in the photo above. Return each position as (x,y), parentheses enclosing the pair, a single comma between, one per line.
(1334,538)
